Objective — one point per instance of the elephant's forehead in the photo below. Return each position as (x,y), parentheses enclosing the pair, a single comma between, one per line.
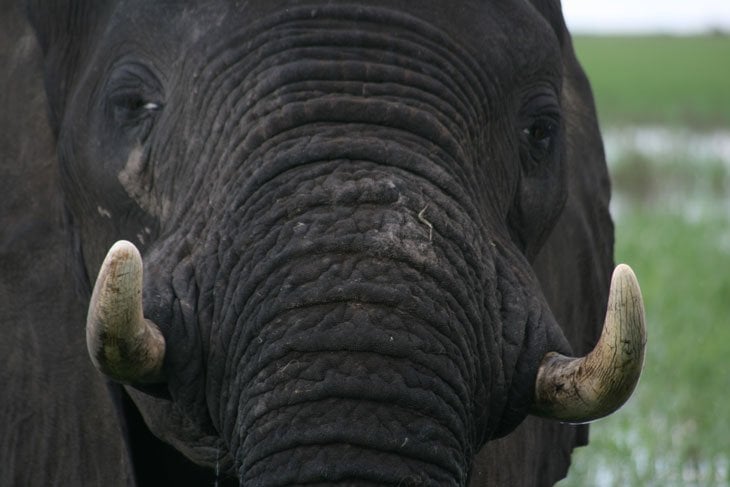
(503,37)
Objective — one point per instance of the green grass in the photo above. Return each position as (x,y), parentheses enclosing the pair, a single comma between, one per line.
(659,79)
(675,430)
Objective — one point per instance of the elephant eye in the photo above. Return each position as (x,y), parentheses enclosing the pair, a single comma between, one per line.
(129,109)
(133,99)
(541,135)
(540,129)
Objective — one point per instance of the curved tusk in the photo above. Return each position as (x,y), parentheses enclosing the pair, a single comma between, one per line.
(578,390)
(121,342)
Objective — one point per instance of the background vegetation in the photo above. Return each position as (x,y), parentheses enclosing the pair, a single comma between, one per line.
(665,79)
(664,104)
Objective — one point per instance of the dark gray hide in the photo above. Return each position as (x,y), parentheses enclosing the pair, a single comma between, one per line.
(60,423)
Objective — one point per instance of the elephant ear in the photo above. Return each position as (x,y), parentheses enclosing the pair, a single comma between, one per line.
(58,421)
(574,267)
(63,30)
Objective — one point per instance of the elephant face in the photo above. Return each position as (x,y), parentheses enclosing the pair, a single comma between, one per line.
(170,101)
(338,207)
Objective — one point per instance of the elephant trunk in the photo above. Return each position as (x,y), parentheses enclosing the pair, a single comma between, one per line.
(357,350)
(355,303)
(342,416)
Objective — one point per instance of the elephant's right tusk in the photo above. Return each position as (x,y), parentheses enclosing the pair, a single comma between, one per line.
(578,390)
(121,342)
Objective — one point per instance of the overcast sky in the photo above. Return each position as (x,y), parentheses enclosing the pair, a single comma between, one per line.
(675,16)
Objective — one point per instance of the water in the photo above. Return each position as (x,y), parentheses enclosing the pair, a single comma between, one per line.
(673,169)
(661,143)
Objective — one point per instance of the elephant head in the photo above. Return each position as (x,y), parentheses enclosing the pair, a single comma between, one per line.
(339,209)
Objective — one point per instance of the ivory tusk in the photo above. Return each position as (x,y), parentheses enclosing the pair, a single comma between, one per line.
(579,390)
(121,342)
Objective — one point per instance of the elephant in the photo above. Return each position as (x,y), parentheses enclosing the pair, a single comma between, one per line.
(302,241)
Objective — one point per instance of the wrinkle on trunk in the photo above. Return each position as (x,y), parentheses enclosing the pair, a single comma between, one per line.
(356,370)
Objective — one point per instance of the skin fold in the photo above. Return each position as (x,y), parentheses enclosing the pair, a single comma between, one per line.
(362,228)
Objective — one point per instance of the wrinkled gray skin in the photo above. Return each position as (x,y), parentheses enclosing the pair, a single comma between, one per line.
(361,226)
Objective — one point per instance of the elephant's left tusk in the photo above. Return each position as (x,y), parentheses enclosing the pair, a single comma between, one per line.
(121,342)
(578,390)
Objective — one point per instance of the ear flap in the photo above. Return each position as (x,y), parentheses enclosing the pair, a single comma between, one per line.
(574,267)
(58,420)
(63,30)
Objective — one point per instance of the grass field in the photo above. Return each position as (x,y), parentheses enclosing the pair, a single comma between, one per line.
(673,227)
(675,80)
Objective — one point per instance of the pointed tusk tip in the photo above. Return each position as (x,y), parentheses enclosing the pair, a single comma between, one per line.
(123,250)
(624,272)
